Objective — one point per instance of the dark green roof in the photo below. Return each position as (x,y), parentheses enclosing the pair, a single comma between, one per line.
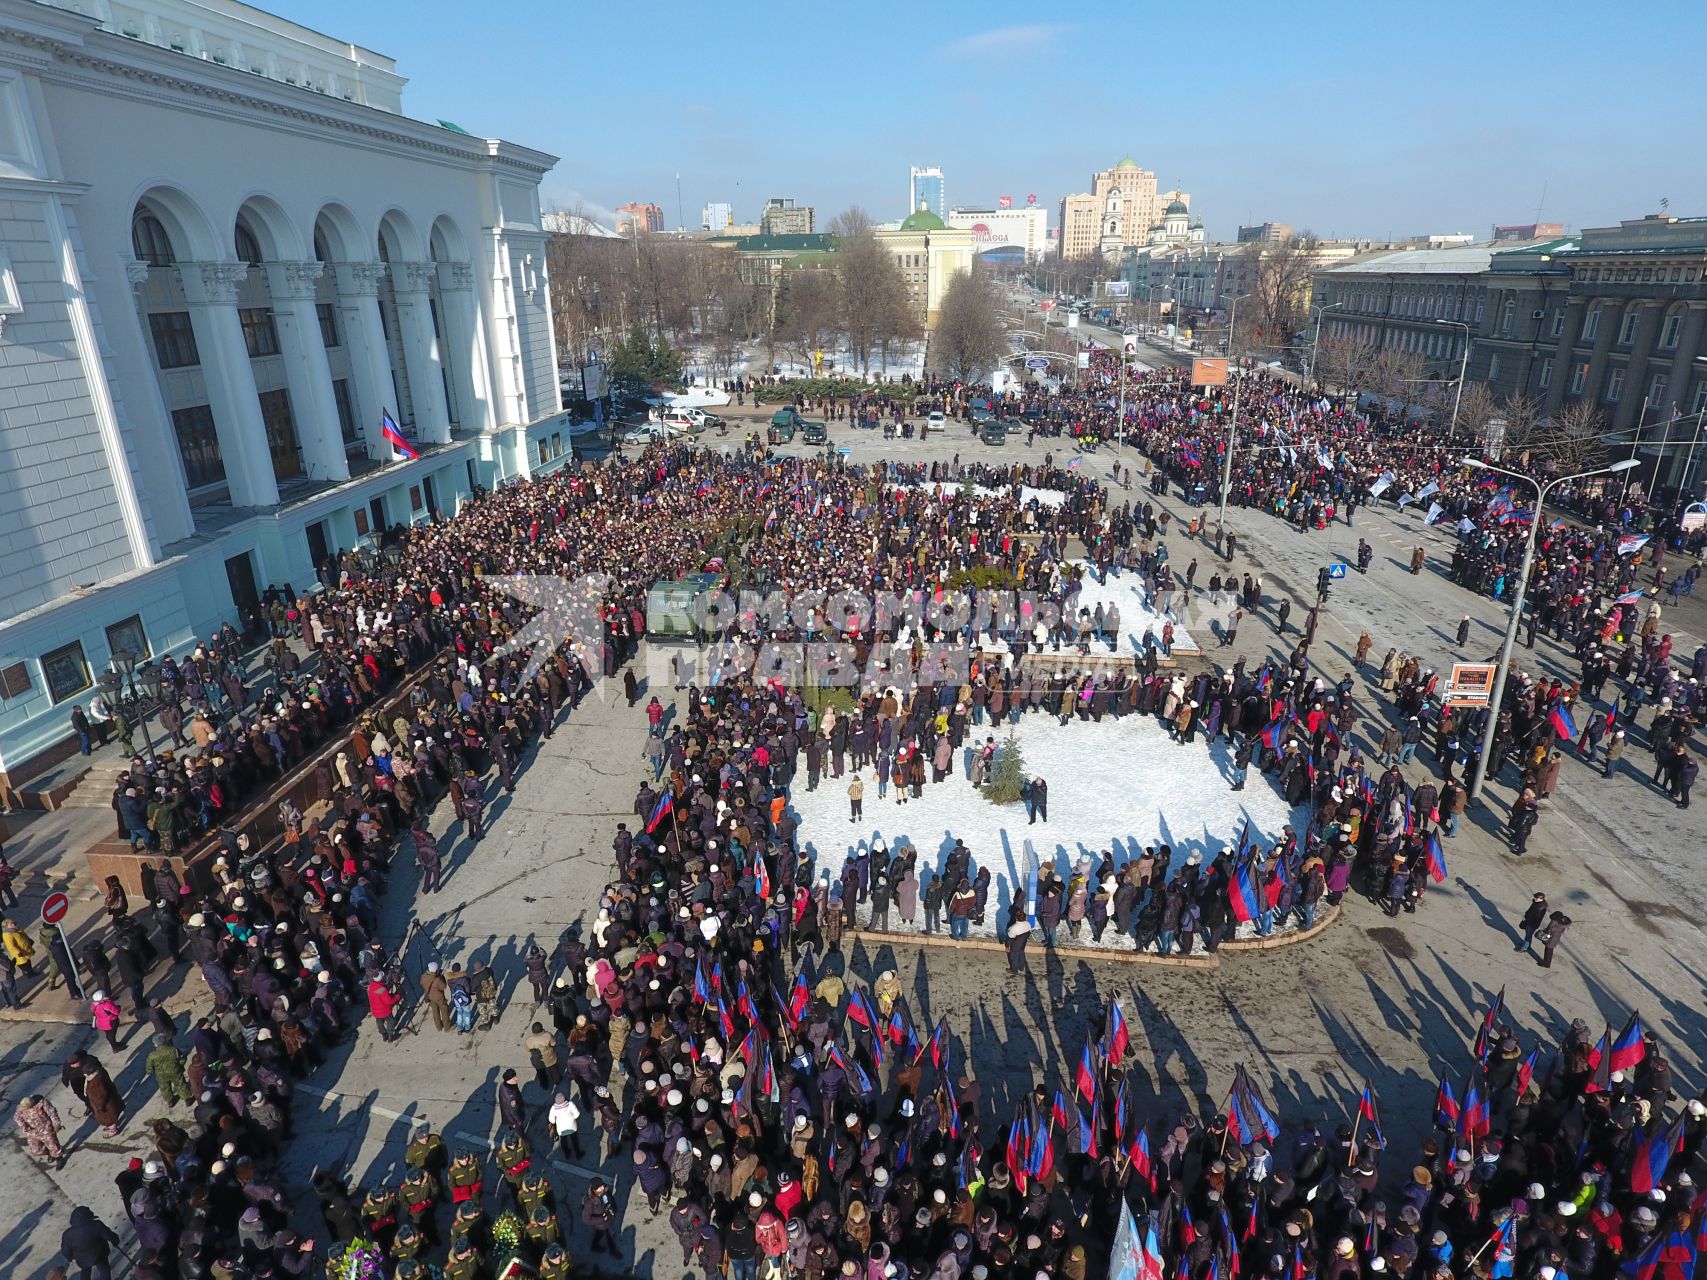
(784,244)
(923,220)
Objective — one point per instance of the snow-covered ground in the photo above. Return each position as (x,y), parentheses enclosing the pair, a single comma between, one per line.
(1116,786)
(698,396)
(840,362)
(1126,592)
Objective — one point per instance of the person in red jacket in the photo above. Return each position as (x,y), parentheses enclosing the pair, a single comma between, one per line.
(383,1005)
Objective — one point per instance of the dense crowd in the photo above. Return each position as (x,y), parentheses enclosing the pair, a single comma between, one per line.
(791,1123)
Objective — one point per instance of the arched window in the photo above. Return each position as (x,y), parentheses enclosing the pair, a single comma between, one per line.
(248,248)
(322,252)
(149,241)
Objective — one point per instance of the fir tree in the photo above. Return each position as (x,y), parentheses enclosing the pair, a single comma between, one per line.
(1008,775)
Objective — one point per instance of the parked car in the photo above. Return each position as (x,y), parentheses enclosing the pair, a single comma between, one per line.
(677,419)
(936,421)
(995,430)
(815,433)
(980,410)
(649,432)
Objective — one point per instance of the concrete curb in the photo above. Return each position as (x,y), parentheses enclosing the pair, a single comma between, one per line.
(1124,955)
(1323,920)
(1079,953)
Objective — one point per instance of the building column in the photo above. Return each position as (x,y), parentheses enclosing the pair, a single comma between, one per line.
(511,394)
(210,289)
(470,379)
(1683,371)
(307,375)
(410,283)
(1611,315)
(1564,355)
(373,390)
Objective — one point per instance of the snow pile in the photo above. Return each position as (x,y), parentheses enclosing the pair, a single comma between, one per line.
(1125,590)
(1116,786)
(839,362)
(695,397)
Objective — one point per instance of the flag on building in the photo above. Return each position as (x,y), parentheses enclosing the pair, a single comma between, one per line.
(392,436)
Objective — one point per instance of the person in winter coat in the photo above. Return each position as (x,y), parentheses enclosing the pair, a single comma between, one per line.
(107,1016)
(101,1095)
(39,1125)
(87,1243)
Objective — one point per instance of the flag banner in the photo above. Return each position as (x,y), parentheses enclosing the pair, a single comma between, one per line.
(1383,483)
(392,436)
(1631,543)
(1434,513)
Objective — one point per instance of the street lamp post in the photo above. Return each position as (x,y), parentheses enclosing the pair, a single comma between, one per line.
(1503,667)
(121,684)
(1463,368)
(1316,340)
(1233,421)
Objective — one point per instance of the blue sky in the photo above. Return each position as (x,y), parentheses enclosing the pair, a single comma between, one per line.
(1369,118)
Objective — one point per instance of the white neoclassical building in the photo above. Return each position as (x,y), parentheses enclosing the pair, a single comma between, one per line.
(225,253)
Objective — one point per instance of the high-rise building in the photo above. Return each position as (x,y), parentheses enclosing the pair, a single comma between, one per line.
(637,217)
(717,216)
(1119,211)
(782,217)
(1266,233)
(208,316)
(925,190)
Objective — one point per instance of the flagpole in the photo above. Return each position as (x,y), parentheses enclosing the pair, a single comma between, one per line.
(1351,1151)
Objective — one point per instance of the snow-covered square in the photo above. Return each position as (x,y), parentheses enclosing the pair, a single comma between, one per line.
(1114,786)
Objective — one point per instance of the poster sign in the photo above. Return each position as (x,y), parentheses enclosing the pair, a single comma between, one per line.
(1116,288)
(1004,202)
(1209,372)
(1694,517)
(1471,685)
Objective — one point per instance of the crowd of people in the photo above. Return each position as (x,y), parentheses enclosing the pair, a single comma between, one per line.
(792,1124)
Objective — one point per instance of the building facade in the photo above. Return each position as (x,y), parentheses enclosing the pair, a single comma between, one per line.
(1024,230)
(1629,334)
(1265,233)
(930,253)
(214,285)
(636,218)
(785,218)
(1118,213)
(925,190)
(717,216)
(1428,302)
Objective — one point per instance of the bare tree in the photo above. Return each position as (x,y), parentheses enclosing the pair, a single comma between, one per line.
(873,296)
(1277,307)
(1344,363)
(1522,414)
(1573,439)
(850,222)
(1393,375)
(1476,408)
(807,305)
(969,340)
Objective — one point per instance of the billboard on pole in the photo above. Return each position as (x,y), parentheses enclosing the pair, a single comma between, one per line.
(1209,372)
(1116,288)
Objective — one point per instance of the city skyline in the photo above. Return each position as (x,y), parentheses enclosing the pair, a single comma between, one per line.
(1314,122)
